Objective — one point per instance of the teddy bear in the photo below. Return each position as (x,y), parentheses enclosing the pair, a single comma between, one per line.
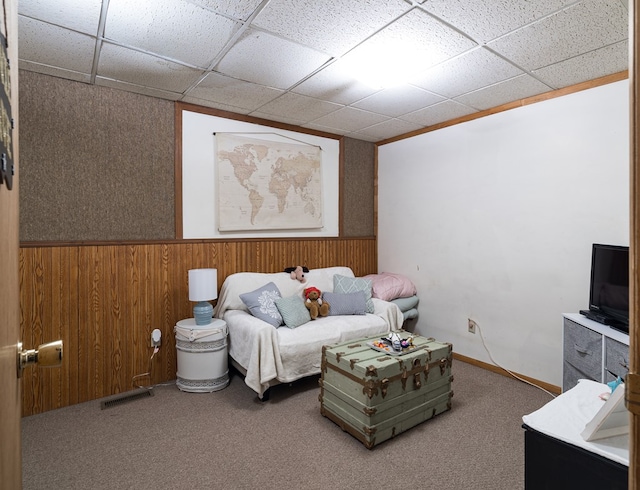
(314,303)
(297,273)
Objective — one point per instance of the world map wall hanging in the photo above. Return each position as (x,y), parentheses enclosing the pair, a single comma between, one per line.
(265,184)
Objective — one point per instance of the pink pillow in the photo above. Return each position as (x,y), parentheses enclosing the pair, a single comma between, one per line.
(388,286)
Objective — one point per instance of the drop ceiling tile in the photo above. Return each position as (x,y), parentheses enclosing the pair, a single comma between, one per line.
(419,38)
(519,87)
(54,71)
(387,129)
(138,89)
(306,21)
(334,83)
(324,129)
(230,91)
(444,111)
(80,16)
(169,28)
(398,100)
(214,105)
(362,137)
(265,59)
(484,20)
(575,30)
(282,119)
(238,9)
(299,107)
(595,64)
(64,49)
(350,119)
(465,73)
(127,65)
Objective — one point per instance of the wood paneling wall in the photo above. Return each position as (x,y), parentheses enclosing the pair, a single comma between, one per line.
(104,300)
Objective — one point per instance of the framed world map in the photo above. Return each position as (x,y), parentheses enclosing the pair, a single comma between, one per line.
(264,184)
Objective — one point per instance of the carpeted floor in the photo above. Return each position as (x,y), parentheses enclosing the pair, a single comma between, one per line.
(230,440)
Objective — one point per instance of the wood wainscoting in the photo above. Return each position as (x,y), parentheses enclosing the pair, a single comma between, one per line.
(103,301)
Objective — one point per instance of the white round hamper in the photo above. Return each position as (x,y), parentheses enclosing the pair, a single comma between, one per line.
(202,364)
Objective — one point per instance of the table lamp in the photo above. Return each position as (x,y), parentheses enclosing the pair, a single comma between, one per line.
(203,287)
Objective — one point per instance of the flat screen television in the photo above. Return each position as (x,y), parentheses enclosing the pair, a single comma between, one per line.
(609,288)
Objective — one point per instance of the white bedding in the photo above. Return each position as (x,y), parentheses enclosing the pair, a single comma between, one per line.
(282,354)
(565,417)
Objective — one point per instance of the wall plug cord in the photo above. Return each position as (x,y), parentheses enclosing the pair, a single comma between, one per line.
(511,373)
(148,373)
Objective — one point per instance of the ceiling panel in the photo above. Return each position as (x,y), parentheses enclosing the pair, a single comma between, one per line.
(233,92)
(269,60)
(515,88)
(336,84)
(295,61)
(438,113)
(350,119)
(579,29)
(236,9)
(307,21)
(396,101)
(78,48)
(466,73)
(79,16)
(594,64)
(484,20)
(140,68)
(300,107)
(159,27)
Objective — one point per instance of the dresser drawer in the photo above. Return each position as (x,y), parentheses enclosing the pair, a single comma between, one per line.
(616,358)
(583,350)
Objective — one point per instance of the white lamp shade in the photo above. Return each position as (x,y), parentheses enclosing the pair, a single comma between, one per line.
(203,284)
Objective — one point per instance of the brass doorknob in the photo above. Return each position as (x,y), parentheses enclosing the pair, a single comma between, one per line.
(46,355)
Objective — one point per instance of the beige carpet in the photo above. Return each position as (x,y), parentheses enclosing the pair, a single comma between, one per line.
(231,440)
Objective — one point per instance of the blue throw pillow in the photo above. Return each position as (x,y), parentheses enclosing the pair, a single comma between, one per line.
(346,303)
(293,311)
(261,303)
(344,284)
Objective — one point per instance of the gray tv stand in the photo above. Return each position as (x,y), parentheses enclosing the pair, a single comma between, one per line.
(592,351)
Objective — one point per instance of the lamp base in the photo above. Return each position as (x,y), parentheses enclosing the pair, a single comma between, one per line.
(203,313)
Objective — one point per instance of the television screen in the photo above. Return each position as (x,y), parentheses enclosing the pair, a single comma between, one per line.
(609,294)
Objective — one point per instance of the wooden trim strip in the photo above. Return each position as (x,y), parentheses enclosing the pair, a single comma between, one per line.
(178,170)
(496,369)
(103,243)
(616,77)
(180,106)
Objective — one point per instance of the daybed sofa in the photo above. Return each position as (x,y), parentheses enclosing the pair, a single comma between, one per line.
(269,352)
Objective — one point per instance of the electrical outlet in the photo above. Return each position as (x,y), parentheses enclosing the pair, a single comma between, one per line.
(156,337)
(472,326)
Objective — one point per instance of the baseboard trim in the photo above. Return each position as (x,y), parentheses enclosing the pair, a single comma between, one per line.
(496,369)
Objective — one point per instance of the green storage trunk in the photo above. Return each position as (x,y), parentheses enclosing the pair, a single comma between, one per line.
(374,395)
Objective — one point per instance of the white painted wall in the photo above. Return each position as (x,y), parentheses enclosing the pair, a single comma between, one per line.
(494,220)
(199,192)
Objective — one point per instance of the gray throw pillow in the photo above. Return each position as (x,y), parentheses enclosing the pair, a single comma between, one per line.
(346,303)
(344,284)
(261,303)
(293,311)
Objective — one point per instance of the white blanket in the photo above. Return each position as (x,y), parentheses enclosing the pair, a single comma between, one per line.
(282,354)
